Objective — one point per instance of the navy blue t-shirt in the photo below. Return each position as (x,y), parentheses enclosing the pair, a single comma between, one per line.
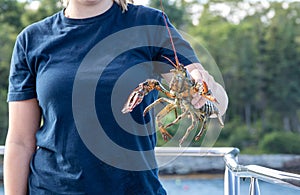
(81,71)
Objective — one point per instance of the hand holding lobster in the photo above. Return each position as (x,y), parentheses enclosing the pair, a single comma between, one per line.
(182,92)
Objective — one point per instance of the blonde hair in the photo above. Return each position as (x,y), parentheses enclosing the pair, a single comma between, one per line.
(122,3)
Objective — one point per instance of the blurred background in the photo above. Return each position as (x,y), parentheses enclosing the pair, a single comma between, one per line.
(256,45)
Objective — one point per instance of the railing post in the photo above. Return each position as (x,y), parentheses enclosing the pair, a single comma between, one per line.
(231,183)
(254,187)
(1,150)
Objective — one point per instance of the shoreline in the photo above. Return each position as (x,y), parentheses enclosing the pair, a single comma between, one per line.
(184,165)
(215,166)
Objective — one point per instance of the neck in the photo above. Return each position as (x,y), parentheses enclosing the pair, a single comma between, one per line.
(79,10)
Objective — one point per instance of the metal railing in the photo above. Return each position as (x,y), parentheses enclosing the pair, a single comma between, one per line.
(233,170)
(1,150)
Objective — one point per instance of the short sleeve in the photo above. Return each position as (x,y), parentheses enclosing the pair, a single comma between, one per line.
(22,85)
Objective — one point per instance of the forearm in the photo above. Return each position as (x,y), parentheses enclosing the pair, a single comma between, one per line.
(197,71)
(16,167)
(24,121)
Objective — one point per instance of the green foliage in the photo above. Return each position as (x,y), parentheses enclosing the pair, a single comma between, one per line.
(10,12)
(4,117)
(236,134)
(281,142)
(177,11)
(7,37)
(46,8)
(259,60)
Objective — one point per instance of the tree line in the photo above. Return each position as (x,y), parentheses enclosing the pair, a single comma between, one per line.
(255,45)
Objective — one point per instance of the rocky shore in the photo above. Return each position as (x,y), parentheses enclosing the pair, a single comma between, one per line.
(191,165)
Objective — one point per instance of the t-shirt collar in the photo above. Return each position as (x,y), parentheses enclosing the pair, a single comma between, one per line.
(115,7)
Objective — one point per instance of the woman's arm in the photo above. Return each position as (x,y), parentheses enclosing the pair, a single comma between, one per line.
(24,121)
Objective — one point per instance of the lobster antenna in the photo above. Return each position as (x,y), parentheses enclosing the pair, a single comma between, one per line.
(170,61)
(170,35)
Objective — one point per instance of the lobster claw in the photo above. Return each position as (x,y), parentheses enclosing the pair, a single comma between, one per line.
(206,93)
(135,98)
(210,98)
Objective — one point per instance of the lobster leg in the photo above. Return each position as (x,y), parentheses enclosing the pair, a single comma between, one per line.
(220,120)
(190,128)
(159,100)
(177,119)
(166,110)
(202,129)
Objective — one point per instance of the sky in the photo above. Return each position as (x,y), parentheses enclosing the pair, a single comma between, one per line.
(140,2)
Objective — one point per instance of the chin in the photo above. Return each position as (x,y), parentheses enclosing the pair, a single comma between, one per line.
(93,2)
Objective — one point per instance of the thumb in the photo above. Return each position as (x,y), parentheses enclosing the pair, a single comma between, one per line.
(198,101)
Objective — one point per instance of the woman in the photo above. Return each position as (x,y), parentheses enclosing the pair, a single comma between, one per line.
(49,81)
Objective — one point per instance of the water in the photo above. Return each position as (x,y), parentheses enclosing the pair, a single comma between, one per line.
(212,186)
(215,186)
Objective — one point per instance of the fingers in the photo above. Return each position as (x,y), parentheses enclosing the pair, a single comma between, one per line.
(194,66)
(196,74)
(196,98)
(198,101)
